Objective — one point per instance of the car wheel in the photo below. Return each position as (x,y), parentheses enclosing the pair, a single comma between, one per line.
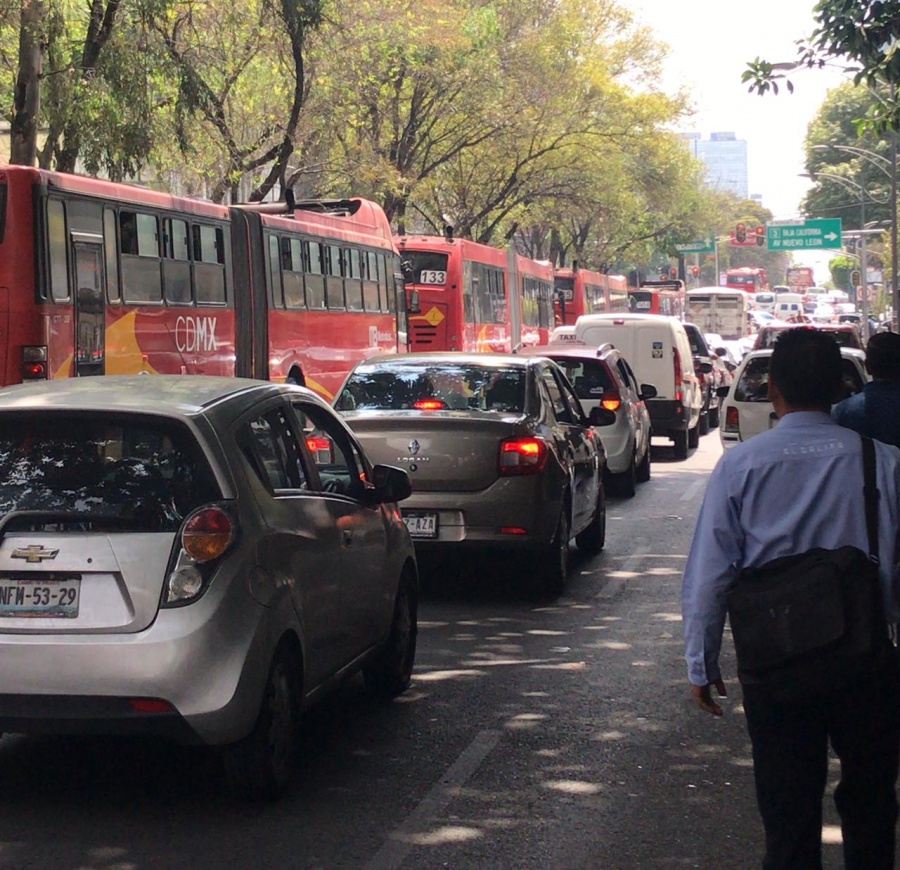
(643,469)
(389,675)
(694,436)
(680,439)
(593,538)
(554,567)
(260,766)
(625,483)
(714,418)
(703,425)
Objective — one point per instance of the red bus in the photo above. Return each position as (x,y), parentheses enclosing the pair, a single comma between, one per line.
(581,291)
(107,278)
(747,278)
(464,300)
(658,297)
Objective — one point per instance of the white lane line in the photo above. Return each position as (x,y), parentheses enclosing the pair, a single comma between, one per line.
(692,490)
(630,566)
(391,855)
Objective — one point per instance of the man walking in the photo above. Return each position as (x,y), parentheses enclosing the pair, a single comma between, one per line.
(876,410)
(784,492)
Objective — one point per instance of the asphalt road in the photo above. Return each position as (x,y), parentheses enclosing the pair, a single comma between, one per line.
(537,734)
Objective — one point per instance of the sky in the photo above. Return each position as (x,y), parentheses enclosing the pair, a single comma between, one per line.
(710,43)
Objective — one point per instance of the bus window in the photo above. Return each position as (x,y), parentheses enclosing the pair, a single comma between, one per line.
(334,279)
(209,263)
(370,281)
(58,251)
(292,273)
(315,275)
(275,273)
(112,260)
(141,279)
(353,292)
(176,262)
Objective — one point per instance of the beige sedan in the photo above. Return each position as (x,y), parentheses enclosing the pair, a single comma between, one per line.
(499,451)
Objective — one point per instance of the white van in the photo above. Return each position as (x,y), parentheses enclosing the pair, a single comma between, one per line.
(788,305)
(658,350)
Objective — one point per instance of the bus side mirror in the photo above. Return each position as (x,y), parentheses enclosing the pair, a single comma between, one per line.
(412,302)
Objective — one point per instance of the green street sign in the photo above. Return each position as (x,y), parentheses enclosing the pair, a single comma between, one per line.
(698,246)
(812,233)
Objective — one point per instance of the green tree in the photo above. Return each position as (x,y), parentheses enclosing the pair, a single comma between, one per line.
(863,37)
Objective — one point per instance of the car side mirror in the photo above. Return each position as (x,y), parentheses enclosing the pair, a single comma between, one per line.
(391,484)
(648,391)
(412,302)
(722,392)
(705,367)
(600,416)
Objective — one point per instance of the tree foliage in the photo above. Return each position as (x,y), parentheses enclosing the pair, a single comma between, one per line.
(861,35)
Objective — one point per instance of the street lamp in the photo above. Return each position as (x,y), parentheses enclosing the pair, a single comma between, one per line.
(889,168)
(856,187)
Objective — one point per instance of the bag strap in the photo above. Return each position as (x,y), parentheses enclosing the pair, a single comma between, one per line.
(871,495)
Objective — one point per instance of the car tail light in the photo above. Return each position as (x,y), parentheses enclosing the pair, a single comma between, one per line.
(522,456)
(150,705)
(428,404)
(205,536)
(611,400)
(207,533)
(679,393)
(315,443)
(732,419)
(34,363)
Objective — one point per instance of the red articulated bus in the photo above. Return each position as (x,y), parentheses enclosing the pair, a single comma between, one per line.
(105,278)
(581,291)
(464,299)
(658,297)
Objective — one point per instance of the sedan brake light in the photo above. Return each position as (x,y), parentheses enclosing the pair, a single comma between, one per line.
(611,400)
(522,456)
(428,404)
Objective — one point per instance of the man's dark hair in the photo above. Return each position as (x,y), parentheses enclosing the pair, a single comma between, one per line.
(806,368)
(883,356)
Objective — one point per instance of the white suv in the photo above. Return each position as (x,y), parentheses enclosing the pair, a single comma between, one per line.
(602,377)
(747,411)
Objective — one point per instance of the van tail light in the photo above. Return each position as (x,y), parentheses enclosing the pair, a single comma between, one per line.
(676,359)
(611,400)
(732,419)
(205,536)
(520,456)
(429,404)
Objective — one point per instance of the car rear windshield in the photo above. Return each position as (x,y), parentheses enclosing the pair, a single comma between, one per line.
(126,474)
(590,377)
(753,384)
(434,386)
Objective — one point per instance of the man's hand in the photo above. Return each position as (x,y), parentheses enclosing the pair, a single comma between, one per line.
(703,696)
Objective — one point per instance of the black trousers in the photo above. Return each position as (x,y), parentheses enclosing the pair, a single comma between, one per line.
(790,764)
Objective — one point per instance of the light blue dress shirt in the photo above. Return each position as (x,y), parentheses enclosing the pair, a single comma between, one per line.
(782,492)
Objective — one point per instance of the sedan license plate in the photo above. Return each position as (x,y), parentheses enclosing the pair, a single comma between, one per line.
(421,525)
(47,595)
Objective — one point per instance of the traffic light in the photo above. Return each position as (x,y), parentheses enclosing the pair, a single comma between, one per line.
(695,271)
(740,234)
(855,278)
(760,236)
(673,272)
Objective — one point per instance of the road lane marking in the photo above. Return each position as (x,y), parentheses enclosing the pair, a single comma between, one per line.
(392,854)
(630,566)
(692,490)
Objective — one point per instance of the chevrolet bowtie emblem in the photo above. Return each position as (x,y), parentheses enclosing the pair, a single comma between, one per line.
(34,553)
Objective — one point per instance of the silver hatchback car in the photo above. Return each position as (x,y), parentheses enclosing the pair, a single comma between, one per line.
(194,557)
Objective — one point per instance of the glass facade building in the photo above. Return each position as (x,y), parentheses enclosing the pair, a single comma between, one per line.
(725,157)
